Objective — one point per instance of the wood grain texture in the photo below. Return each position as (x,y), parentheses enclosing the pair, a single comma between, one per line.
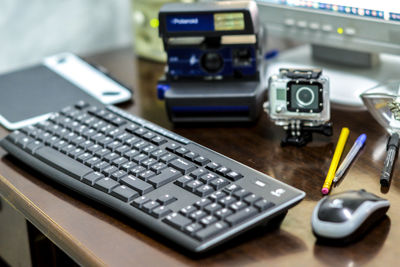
(94,235)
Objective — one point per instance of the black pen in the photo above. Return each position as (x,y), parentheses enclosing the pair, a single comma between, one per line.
(392,148)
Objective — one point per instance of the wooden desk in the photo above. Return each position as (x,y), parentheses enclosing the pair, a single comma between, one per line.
(92,235)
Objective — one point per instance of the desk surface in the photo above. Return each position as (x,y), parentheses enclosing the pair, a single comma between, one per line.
(92,235)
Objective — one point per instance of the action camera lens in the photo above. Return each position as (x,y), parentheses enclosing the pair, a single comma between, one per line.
(305,96)
(212,62)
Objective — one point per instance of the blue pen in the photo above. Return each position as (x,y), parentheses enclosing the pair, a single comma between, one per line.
(358,144)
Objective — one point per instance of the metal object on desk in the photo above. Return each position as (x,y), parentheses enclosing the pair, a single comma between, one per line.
(383,102)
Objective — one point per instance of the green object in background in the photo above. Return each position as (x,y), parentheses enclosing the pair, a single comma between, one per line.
(147,43)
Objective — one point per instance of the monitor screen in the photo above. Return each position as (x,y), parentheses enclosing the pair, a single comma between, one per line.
(381,10)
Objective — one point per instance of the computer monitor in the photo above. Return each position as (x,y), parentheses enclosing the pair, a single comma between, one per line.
(346,39)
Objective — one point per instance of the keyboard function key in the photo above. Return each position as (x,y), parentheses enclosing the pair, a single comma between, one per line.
(201,160)
(212,166)
(234,176)
(250,199)
(172,147)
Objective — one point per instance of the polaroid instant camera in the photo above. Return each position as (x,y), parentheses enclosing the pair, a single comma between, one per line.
(298,100)
(214,68)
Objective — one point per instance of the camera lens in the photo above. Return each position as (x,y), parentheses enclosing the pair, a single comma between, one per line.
(305,96)
(212,62)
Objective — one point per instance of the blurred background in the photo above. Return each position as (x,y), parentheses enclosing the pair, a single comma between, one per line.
(31,30)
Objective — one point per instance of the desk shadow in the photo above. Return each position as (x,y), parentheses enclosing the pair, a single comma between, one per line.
(357,253)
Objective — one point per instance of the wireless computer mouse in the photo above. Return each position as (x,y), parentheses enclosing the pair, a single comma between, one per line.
(346,216)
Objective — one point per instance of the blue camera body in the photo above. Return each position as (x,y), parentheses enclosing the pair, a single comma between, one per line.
(215,68)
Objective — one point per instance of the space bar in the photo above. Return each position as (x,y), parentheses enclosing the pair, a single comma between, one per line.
(62,162)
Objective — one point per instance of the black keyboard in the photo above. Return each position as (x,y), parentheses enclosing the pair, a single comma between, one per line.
(185,192)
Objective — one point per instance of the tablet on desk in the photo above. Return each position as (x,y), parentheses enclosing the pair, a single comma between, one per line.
(30,95)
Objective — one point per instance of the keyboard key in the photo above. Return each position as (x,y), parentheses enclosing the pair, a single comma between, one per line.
(84,156)
(149,135)
(119,161)
(227,201)
(137,170)
(222,170)
(101,166)
(140,131)
(191,229)
(167,158)
(204,190)
(166,199)
(131,154)
(106,184)
(211,230)
(129,165)
(240,216)
(212,166)
(181,151)
(232,188)
(148,162)
(160,212)
(149,206)
(201,160)
(165,177)
(62,162)
(137,184)
(177,221)
(199,172)
(217,196)
(202,203)
(146,175)
(234,176)
(241,194)
(239,205)
(263,204)
(158,167)
(191,186)
(219,183)
(123,149)
(124,193)
(183,181)
(251,199)
(157,154)
(109,170)
(197,215)
(208,220)
(187,210)
(140,201)
(102,152)
(140,158)
(31,147)
(207,178)
(111,156)
(92,161)
(172,147)
(118,175)
(182,165)
(223,213)
(92,177)
(191,155)
(158,140)
(212,208)
(131,127)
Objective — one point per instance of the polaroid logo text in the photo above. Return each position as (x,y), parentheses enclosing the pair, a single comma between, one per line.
(191,21)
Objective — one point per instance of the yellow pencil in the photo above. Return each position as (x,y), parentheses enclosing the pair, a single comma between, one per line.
(335,160)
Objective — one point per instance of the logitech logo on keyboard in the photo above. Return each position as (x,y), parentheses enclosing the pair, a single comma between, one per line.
(278,192)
